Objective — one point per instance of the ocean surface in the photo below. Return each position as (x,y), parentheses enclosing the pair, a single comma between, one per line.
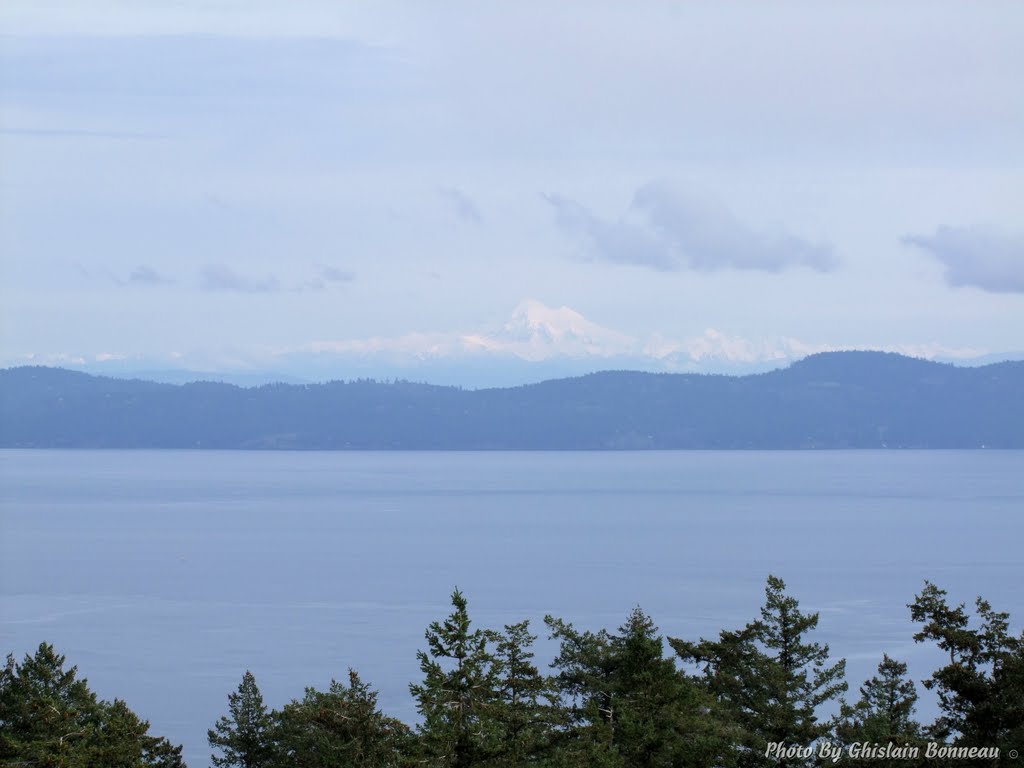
(164,575)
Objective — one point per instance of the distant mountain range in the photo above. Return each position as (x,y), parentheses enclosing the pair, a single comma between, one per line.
(535,343)
(828,400)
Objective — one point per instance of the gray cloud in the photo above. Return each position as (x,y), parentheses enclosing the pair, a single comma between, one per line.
(464,206)
(619,241)
(985,258)
(669,232)
(325,276)
(334,275)
(218,277)
(146,275)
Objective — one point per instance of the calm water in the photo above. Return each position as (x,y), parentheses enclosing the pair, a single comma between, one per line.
(165,575)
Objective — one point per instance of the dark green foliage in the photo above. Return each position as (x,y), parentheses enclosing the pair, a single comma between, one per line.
(584,678)
(768,677)
(883,715)
(122,741)
(46,712)
(981,689)
(242,736)
(523,710)
(339,727)
(626,704)
(664,720)
(831,400)
(457,697)
(50,718)
(614,701)
(798,675)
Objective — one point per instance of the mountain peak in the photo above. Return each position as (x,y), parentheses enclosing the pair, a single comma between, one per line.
(539,331)
(538,317)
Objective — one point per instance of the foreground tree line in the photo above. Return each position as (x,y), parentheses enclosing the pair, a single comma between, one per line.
(750,697)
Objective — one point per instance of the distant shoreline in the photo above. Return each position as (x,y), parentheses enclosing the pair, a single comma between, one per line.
(829,401)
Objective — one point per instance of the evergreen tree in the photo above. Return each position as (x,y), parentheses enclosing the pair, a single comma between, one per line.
(588,706)
(664,720)
(159,752)
(47,714)
(885,710)
(50,718)
(458,692)
(122,741)
(628,705)
(523,711)
(981,689)
(342,726)
(769,678)
(242,736)
(884,715)
(799,673)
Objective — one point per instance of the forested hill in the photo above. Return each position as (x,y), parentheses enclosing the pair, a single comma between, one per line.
(831,400)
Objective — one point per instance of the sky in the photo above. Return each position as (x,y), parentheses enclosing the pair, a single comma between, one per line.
(325,189)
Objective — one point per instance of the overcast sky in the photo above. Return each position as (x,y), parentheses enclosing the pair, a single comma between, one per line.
(229,182)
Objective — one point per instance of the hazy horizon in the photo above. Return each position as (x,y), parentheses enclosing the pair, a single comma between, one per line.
(481,374)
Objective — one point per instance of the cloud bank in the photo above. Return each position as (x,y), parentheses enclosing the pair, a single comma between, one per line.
(667,231)
(983,258)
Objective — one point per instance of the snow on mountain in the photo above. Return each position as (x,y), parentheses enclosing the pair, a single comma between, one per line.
(534,332)
(538,332)
(714,345)
(536,341)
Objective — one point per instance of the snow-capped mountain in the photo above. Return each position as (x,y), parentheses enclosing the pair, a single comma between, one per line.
(539,341)
(536,342)
(539,332)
